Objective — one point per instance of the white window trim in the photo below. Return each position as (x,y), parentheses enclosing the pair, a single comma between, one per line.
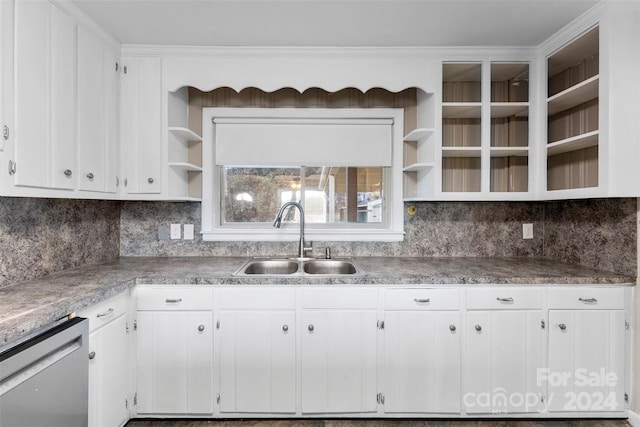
(391,231)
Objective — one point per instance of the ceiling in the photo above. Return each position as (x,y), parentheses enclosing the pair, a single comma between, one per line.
(336,23)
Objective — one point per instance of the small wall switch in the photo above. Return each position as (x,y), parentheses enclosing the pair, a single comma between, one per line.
(163,232)
(527,231)
(188,232)
(176,231)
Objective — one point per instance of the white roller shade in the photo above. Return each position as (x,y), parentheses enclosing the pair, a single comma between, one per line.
(303,141)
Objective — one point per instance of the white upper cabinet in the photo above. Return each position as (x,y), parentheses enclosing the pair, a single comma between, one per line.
(97,113)
(592,145)
(66,94)
(32,41)
(141,113)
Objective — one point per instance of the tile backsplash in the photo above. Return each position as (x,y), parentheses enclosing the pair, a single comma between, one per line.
(597,233)
(42,236)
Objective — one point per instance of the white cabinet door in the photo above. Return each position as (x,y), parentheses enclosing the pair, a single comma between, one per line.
(339,362)
(422,362)
(502,359)
(175,362)
(32,99)
(258,361)
(91,112)
(586,360)
(63,99)
(108,375)
(141,114)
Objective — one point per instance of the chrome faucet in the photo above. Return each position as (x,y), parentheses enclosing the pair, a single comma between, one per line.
(302,249)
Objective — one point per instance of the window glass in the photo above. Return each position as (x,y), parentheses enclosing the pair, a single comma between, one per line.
(328,194)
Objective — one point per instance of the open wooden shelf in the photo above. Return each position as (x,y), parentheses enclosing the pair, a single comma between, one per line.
(461,110)
(418,134)
(190,167)
(573,96)
(418,167)
(461,151)
(509,151)
(184,135)
(509,109)
(578,142)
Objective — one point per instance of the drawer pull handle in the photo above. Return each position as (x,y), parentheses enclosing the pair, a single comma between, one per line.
(422,300)
(508,299)
(562,327)
(92,355)
(285,328)
(478,328)
(588,300)
(106,313)
(200,328)
(173,300)
(452,328)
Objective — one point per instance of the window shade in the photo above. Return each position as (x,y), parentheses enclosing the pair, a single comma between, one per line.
(303,142)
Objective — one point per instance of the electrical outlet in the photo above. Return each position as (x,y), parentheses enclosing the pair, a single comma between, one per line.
(188,232)
(527,231)
(176,231)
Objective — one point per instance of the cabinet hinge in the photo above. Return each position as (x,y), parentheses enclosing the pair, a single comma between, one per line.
(626,323)
(380,324)
(626,397)
(5,132)
(218,398)
(380,398)
(12,167)
(542,324)
(135,398)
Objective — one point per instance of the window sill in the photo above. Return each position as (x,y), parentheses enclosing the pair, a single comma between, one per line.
(244,235)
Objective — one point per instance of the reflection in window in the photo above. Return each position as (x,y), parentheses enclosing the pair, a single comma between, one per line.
(328,194)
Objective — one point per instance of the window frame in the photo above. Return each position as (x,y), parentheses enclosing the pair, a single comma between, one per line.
(390,230)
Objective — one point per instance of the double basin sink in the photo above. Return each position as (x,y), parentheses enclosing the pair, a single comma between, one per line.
(299,267)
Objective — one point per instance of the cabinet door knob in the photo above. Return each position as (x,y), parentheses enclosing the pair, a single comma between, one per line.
(150,180)
(478,328)
(562,327)
(68,172)
(90,175)
(311,328)
(92,355)
(452,328)
(200,328)
(285,328)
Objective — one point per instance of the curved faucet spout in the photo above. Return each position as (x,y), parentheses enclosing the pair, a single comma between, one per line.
(277,222)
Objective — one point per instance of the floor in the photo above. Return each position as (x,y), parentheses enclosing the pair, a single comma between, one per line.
(375,423)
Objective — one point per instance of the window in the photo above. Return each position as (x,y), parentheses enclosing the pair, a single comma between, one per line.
(340,164)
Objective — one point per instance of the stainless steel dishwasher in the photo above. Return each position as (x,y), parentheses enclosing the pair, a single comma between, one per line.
(44,377)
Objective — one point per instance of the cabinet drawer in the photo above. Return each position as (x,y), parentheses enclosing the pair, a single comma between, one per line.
(177,298)
(340,298)
(586,298)
(258,298)
(422,299)
(504,298)
(104,312)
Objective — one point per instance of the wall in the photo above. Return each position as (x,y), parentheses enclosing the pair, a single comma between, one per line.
(595,233)
(43,236)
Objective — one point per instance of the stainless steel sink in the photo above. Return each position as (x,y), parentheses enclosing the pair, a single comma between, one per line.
(329,266)
(272,267)
(282,267)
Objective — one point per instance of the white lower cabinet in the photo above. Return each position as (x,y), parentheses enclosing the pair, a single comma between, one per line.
(586,350)
(504,337)
(339,351)
(367,351)
(174,351)
(108,362)
(421,371)
(257,351)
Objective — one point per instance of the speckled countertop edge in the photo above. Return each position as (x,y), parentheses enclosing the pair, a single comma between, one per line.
(27,306)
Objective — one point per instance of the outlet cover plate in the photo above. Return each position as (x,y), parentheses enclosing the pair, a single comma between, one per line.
(188,232)
(176,231)
(527,231)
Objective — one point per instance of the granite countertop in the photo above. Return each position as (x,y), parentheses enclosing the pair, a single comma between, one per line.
(26,306)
